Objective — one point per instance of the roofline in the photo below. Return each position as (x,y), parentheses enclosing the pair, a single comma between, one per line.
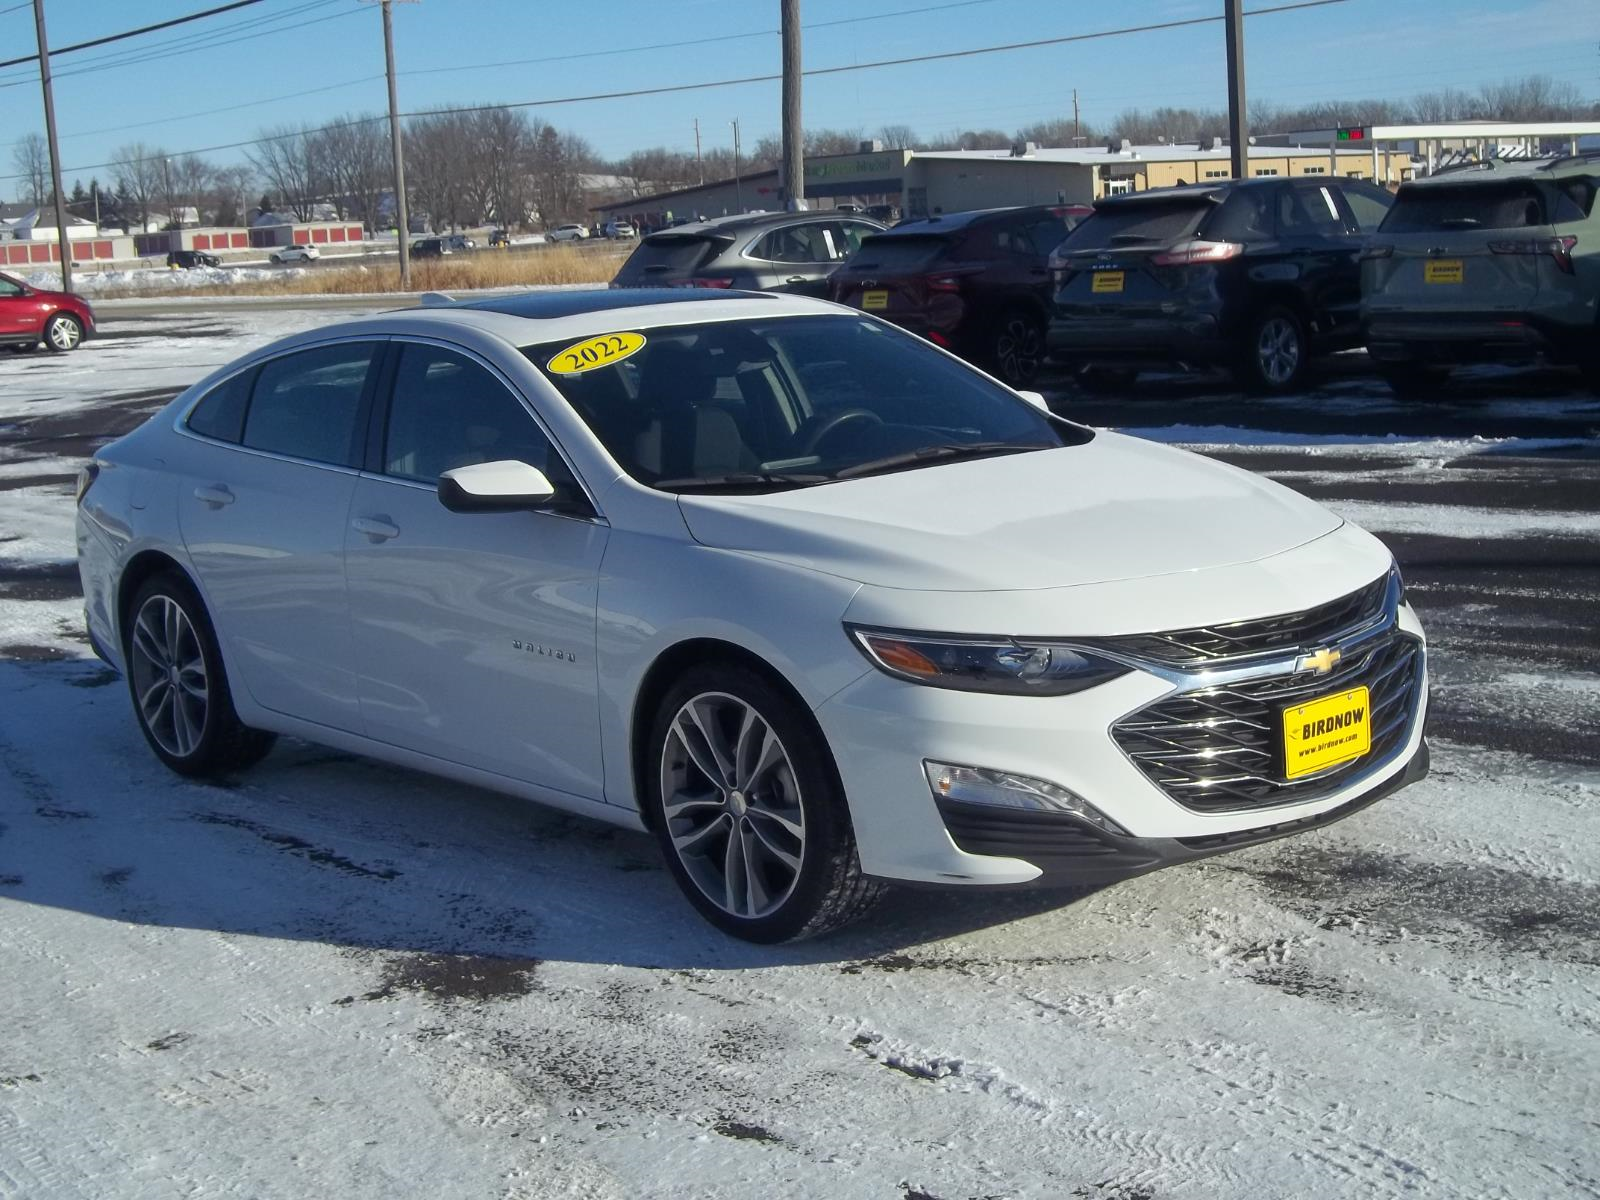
(1445,130)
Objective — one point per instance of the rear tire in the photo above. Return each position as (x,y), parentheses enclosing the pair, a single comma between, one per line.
(1016,347)
(179,686)
(1413,381)
(1274,354)
(747,806)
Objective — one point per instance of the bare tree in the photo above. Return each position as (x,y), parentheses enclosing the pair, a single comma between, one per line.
(191,181)
(230,186)
(435,168)
(1531,98)
(1056,132)
(32,160)
(138,174)
(898,137)
(355,157)
(288,163)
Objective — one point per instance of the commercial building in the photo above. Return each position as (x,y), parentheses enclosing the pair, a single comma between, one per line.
(923,182)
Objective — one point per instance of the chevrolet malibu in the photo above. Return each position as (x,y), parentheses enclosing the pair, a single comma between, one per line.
(814,602)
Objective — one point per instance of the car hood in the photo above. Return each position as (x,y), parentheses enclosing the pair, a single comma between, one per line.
(1114,508)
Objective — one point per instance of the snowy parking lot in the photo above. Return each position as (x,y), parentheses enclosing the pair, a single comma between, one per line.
(329,977)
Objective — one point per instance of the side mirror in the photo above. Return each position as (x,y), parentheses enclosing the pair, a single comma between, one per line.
(1036,399)
(504,486)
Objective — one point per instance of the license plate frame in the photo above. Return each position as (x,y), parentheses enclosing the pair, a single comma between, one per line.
(1443,271)
(1107,282)
(1328,731)
(875,301)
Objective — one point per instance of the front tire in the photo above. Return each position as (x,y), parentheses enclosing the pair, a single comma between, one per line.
(1275,353)
(63,333)
(179,685)
(749,811)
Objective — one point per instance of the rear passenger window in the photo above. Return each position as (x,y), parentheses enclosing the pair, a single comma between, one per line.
(1245,216)
(1305,212)
(220,413)
(306,405)
(1369,209)
(796,244)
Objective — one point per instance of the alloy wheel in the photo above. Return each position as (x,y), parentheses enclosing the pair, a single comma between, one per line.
(168,668)
(64,333)
(732,805)
(1278,350)
(1017,349)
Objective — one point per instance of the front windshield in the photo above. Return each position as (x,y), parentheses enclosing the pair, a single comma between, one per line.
(786,402)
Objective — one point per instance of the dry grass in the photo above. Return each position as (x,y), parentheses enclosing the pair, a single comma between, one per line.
(459,273)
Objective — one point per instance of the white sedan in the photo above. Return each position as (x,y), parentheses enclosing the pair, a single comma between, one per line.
(810,599)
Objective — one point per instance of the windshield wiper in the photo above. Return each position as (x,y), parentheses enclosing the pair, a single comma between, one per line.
(947,452)
(738,479)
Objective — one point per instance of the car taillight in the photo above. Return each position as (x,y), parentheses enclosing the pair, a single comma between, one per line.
(709,281)
(1558,248)
(943,283)
(1197,251)
(86,478)
(1376,252)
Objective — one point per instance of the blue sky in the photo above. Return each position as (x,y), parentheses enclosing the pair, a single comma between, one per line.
(1357,47)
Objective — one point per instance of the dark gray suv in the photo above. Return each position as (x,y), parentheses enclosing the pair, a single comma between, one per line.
(1495,262)
(766,252)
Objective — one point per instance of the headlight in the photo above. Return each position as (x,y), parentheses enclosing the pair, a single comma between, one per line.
(1004,665)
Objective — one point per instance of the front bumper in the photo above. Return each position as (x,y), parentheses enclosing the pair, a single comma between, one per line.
(1072,853)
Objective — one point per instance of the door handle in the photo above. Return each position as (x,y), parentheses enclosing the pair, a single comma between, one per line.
(216,495)
(795,279)
(377,529)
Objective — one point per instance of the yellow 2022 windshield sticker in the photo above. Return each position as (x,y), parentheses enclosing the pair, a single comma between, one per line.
(593,353)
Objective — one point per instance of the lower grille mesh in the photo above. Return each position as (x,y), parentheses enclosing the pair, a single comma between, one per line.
(1217,750)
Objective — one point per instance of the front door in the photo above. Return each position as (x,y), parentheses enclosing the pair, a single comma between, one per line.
(263,503)
(17,315)
(474,633)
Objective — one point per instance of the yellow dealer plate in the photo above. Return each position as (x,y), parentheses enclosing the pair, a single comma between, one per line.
(1442,270)
(593,353)
(874,300)
(1324,733)
(1106,281)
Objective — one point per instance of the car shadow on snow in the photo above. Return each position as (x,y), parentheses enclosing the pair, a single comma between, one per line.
(317,845)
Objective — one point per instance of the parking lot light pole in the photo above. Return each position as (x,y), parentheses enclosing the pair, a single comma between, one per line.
(1238,133)
(63,241)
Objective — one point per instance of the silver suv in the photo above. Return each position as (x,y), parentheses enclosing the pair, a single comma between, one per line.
(1494,262)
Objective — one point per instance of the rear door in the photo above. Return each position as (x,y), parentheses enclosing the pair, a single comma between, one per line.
(796,258)
(263,500)
(1447,249)
(1321,255)
(474,633)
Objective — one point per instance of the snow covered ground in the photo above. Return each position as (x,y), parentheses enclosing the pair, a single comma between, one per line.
(329,977)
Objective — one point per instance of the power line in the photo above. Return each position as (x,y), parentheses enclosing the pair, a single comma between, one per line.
(189,42)
(718,83)
(117,37)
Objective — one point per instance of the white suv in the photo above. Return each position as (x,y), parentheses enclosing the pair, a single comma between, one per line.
(566,233)
(813,601)
(296,254)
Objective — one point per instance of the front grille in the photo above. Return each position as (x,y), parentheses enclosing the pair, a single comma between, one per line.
(1311,627)
(1218,749)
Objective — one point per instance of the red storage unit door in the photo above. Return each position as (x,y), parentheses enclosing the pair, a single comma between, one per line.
(202,241)
(353,233)
(336,235)
(241,241)
(16,256)
(302,237)
(40,253)
(319,235)
(104,250)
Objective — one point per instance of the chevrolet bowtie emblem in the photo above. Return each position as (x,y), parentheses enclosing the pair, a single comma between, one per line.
(1321,661)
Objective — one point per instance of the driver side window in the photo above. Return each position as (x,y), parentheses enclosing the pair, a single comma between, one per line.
(7,288)
(447,411)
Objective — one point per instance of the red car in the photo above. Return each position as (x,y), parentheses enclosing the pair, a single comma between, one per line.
(30,315)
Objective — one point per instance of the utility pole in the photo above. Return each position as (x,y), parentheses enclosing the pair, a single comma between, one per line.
(402,216)
(792,176)
(738,186)
(166,182)
(1238,133)
(700,164)
(1077,126)
(63,244)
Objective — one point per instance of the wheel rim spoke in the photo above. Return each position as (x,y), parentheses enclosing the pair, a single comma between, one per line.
(170,681)
(731,805)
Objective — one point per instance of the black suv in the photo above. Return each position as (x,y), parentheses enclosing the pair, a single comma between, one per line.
(768,252)
(1256,275)
(192,258)
(976,283)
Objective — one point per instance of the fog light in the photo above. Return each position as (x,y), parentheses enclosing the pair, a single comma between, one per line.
(1002,789)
